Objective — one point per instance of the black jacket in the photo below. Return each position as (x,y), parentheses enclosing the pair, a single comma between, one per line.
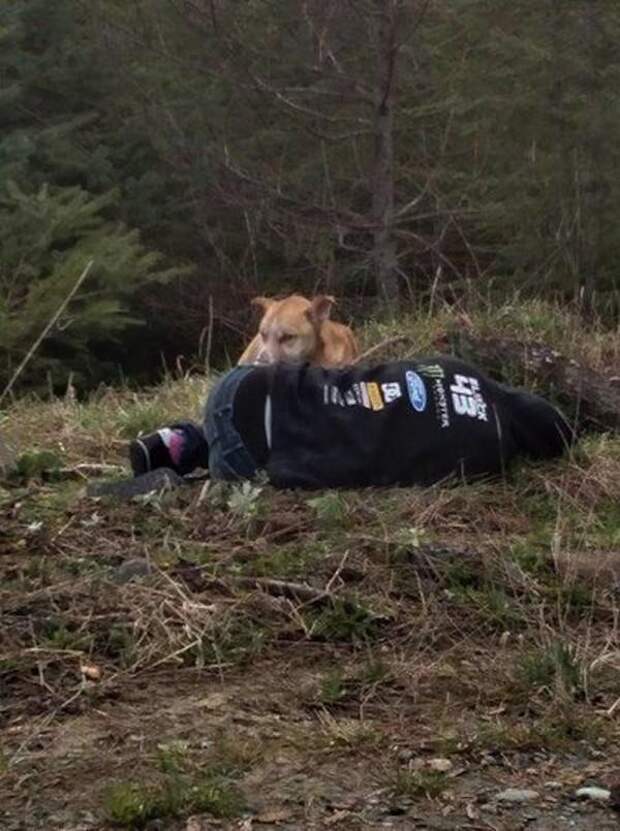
(410,422)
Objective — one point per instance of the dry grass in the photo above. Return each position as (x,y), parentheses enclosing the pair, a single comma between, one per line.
(453,622)
(596,344)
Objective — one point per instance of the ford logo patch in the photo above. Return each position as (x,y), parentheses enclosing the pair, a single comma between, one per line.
(416,390)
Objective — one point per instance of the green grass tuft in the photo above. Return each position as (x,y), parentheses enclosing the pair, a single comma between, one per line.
(554,669)
(36,464)
(416,784)
(179,790)
(343,621)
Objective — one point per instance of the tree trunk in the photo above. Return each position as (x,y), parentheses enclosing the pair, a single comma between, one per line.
(565,230)
(593,185)
(385,262)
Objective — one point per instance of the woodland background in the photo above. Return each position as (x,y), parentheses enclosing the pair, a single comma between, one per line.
(390,152)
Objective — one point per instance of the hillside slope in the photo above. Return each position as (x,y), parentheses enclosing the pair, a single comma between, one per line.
(447,644)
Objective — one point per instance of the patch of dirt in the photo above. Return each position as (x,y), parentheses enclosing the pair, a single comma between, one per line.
(301,776)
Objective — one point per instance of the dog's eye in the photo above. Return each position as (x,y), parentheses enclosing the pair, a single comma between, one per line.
(263,335)
(286,338)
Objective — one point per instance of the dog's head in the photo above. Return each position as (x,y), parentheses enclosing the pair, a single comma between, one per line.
(290,329)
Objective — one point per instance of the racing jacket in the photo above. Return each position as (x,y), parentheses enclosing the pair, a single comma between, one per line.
(409,422)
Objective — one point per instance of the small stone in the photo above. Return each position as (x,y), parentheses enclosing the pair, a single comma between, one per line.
(517,795)
(471,811)
(440,765)
(594,793)
(132,570)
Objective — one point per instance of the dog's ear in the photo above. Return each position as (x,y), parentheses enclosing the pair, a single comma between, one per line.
(321,306)
(262,302)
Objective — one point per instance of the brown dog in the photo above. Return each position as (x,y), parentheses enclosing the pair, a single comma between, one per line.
(297,330)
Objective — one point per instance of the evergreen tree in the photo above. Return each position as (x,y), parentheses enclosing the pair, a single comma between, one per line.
(53,83)
(538,142)
(46,239)
(61,156)
(364,144)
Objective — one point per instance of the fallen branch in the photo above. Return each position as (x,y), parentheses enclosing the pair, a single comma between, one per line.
(591,399)
(84,470)
(278,588)
(195,578)
(197,581)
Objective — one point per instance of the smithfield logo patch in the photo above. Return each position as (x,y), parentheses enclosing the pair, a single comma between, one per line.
(416,390)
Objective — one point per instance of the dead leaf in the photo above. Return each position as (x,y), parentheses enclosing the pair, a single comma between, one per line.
(91,672)
(272,815)
(440,765)
(213,701)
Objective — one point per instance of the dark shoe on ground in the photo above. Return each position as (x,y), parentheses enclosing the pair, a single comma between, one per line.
(149,453)
(162,479)
(180,447)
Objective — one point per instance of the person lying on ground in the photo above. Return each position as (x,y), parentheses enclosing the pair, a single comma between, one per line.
(413,422)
